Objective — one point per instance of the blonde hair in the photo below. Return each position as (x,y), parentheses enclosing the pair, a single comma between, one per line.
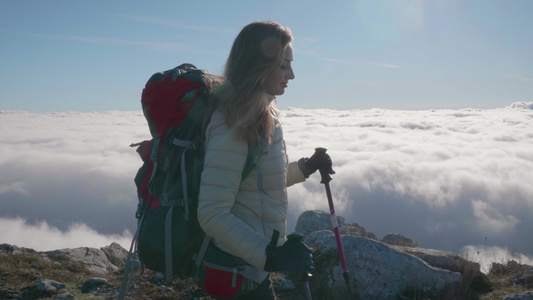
(256,52)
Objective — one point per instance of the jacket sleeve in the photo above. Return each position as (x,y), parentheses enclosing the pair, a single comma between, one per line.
(294,174)
(225,158)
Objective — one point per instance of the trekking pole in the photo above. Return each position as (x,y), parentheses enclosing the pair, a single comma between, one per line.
(326,178)
(305,276)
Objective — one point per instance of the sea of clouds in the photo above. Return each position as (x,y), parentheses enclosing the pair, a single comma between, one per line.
(456,180)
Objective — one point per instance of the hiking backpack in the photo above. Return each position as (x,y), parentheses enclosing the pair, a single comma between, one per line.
(178,108)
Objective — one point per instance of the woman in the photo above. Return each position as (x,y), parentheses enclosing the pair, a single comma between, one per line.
(241,212)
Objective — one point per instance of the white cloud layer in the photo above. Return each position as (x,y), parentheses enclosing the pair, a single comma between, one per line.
(486,255)
(41,236)
(445,178)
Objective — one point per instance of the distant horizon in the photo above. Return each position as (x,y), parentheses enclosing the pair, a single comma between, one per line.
(523,103)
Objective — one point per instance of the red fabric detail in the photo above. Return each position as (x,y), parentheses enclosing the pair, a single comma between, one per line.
(162,101)
(154,203)
(144,191)
(145,149)
(218,283)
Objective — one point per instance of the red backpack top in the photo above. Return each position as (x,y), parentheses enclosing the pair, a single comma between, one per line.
(176,106)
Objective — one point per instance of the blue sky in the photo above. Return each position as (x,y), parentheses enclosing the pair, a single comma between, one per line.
(97,55)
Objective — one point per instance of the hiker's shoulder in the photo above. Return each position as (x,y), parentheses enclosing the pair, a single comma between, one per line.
(217,119)
(217,123)
(218,132)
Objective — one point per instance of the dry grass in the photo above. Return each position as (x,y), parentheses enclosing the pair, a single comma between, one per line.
(22,270)
(502,281)
(18,272)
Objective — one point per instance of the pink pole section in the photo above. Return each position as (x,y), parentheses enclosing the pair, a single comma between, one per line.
(336,231)
(326,178)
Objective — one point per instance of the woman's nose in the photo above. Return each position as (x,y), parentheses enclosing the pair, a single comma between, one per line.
(290,75)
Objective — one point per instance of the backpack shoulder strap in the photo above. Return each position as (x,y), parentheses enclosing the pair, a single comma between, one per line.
(255,150)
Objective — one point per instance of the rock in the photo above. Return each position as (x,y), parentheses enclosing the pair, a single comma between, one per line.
(12,249)
(372,236)
(317,220)
(64,295)
(525,277)
(396,239)
(377,271)
(95,259)
(158,278)
(93,284)
(355,229)
(47,285)
(472,275)
(116,254)
(11,293)
(42,288)
(100,261)
(442,259)
(285,285)
(508,268)
(525,296)
(7,248)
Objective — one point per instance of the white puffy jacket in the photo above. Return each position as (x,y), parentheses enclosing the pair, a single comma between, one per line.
(239,218)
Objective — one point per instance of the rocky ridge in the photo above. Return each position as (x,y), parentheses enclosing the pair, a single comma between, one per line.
(82,262)
(394,267)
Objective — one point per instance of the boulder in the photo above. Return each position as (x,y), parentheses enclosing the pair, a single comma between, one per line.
(93,284)
(397,239)
(95,259)
(47,286)
(116,254)
(525,278)
(355,229)
(64,295)
(100,261)
(377,271)
(317,220)
(10,293)
(525,296)
(12,249)
(471,272)
(158,279)
(42,288)
(441,259)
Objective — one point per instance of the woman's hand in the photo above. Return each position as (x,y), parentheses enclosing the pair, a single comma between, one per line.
(320,160)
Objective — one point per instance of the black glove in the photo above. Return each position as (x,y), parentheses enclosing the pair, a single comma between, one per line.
(319,161)
(293,256)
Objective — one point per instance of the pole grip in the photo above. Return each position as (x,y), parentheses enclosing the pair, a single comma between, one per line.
(324,174)
(298,237)
(274,240)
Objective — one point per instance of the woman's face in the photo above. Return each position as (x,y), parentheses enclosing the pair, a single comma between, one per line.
(278,80)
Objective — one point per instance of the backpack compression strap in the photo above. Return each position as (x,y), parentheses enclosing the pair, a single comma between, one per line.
(168,246)
(132,254)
